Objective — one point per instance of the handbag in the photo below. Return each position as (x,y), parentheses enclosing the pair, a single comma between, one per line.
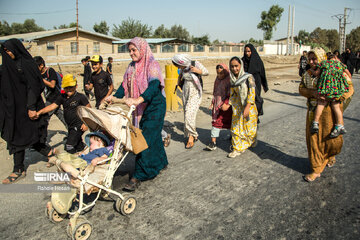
(138,141)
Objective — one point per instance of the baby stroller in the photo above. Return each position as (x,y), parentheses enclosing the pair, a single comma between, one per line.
(114,122)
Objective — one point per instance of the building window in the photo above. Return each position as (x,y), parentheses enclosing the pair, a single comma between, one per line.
(235,49)
(122,48)
(50,45)
(153,48)
(183,48)
(74,47)
(225,49)
(214,49)
(199,48)
(168,48)
(96,47)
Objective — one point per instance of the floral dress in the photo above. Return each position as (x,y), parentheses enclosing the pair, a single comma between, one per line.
(332,83)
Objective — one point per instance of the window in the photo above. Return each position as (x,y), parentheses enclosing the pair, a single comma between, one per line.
(153,48)
(235,49)
(50,45)
(225,49)
(96,47)
(167,48)
(183,48)
(122,48)
(199,48)
(74,47)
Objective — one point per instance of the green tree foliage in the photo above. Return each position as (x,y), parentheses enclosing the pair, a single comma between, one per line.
(333,39)
(303,36)
(176,31)
(353,39)
(5,28)
(131,28)
(29,25)
(70,25)
(324,37)
(203,40)
(269,20)
(102,27)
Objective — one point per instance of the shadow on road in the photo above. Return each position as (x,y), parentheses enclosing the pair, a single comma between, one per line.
(286,93)
(206,110)
(268,151)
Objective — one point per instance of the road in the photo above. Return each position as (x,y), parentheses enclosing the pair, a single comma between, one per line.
(205,195)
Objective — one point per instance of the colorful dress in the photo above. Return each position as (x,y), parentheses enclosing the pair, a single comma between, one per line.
(332,83)
(242,92)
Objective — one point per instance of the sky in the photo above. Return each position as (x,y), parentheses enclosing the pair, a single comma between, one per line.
(229,20)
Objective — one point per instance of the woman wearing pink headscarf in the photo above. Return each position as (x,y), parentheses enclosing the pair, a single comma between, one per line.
(143,86)
(221,109)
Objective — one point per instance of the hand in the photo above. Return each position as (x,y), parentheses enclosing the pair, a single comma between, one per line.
(246,111)
(321,97)
(225,107)
(195,70)
(87,86)
(108,99)
(211,106)
(94,162)
(83,128)
(133,101)
(32,115)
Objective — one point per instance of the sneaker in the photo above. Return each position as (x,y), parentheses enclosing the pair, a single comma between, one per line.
(338,130)
(234,154)
(211,146)
(314,127)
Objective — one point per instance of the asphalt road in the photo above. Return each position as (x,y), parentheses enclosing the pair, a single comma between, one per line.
(205,195)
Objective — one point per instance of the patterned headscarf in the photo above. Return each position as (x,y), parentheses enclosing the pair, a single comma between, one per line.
(140,73)
(221,91)
(184,60)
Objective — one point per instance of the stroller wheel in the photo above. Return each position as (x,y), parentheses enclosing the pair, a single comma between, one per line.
(82,229)
(126,206)
(53,215)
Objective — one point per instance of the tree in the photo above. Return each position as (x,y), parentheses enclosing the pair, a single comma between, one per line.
(131,28)
(102,27)
(353,39)
(162,32)
(333,42)
(5,28)
(319,36)
(269,20)
(63,26)
(203,40)
(176,31)
(303,36)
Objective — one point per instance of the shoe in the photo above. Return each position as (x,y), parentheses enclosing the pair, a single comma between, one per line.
(132,185)
(254,143)
(314,127)
(167,140)
(14,177)
(234,154)
(211,146)
(338,130)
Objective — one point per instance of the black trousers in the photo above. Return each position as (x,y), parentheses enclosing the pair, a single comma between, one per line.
(74,141)
(19,157)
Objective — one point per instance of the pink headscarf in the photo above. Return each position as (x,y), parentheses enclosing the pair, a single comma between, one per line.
(221,91)
(139,74)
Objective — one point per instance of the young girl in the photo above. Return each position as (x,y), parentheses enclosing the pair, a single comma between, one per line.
(331,86)
(221,109)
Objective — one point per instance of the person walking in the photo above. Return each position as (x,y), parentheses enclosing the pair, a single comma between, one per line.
(21,85)
(143,86)
(190,78)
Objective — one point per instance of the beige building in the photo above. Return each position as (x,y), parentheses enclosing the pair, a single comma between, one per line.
(60,45)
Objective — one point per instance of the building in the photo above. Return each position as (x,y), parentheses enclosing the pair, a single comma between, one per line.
(61,45)
(279,47)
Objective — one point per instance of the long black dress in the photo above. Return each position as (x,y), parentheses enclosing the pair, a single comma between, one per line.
(255,66)
(21,86)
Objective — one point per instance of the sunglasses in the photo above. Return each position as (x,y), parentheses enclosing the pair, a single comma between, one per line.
(219,67)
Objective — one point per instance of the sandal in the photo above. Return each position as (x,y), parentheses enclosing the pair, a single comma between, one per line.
(13,179)
(167,140)
(189,145)
(311,177)
(132,185)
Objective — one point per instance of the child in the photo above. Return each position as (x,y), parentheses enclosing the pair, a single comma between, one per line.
(87,77)
(97,142)
(221,109)
(70,101)
(332,84)
(100,80)
(109,67)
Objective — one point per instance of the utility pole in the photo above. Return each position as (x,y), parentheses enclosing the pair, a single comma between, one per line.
(292,33)
(77,27)
(342,25)
(288,35)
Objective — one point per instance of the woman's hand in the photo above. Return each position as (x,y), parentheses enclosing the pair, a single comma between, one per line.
(195,70)
(211,106)
(225,107)
(246,111)
(83,128)
(134,101)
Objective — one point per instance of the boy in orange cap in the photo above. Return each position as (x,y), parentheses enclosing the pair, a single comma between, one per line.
(70,100)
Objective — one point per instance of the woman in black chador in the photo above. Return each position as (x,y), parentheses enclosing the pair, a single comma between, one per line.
(20,97)
(254,65)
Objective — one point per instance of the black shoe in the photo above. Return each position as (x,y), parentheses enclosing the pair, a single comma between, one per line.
(211,146)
